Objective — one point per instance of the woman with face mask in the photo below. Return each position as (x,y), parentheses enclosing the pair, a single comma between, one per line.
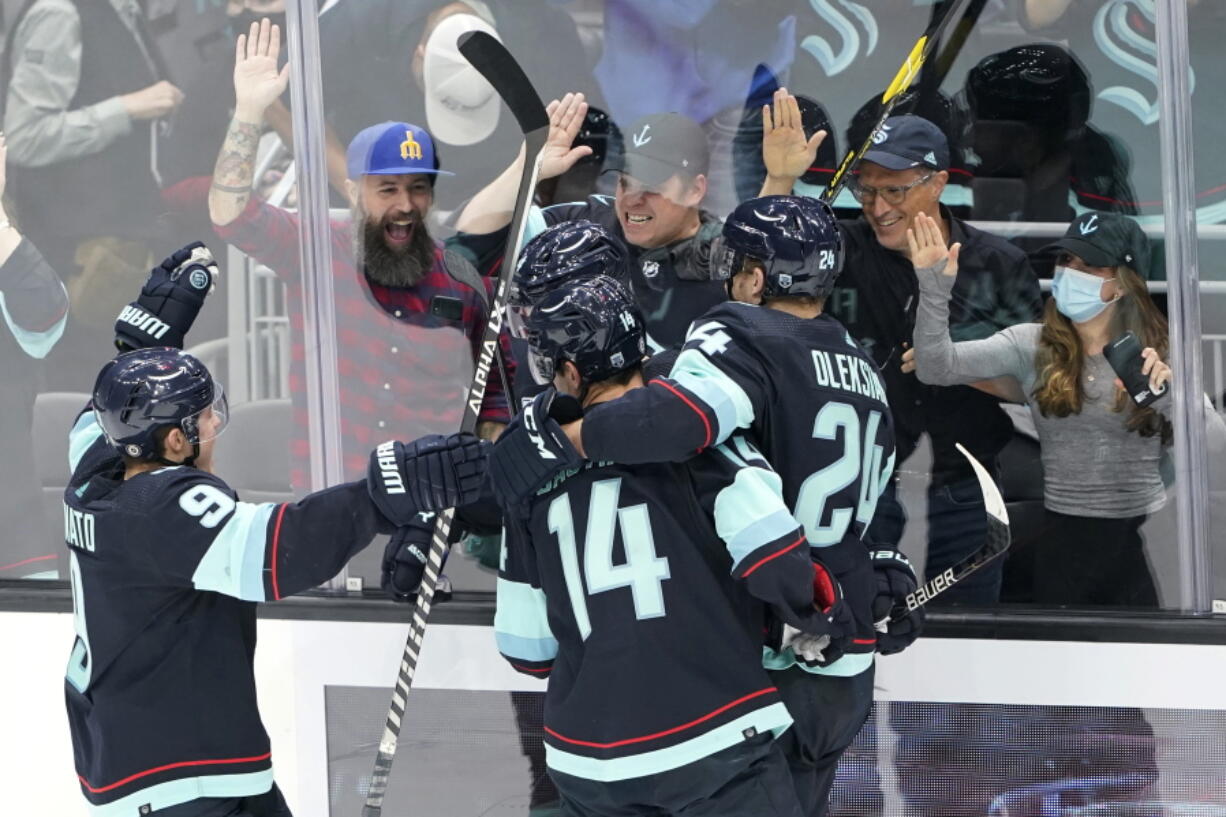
(1100,450)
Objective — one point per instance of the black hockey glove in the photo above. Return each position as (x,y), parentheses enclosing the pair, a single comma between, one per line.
(429,474)
(534,448)
(169,301)
(895,581)
(404,561)
(824,639)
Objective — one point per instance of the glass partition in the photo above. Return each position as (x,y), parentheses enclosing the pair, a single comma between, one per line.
(1047,115)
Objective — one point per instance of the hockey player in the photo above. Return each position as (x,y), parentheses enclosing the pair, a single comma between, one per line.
(769,361)
(167,565)
(639,592)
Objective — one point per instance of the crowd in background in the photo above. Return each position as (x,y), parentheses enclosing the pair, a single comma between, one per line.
(131,130)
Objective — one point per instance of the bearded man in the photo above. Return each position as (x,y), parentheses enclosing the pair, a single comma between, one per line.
(407,331)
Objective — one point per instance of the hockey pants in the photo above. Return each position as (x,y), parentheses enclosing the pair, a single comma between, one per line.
(827,713)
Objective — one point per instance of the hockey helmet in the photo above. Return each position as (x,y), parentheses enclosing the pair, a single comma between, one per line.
(795,237)
(564,252)
(145,390)
(593,323)
(1038,83)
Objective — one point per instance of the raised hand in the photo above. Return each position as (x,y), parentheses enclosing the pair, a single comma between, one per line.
(927,246)
(565,121)
(786,152)
(257,82)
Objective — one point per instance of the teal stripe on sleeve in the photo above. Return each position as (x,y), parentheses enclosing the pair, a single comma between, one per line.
(521,622)
(750,512)
(773,718)
(175,792)
(234,562)
(34,344)
(81,437)
(709,383)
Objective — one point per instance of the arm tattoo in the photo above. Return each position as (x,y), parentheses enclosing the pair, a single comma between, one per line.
(234,171)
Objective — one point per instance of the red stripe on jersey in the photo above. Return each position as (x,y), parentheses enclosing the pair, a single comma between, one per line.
(530,669)
(864,641)
(276,538)
(168,766)
(666,732)
(705,422)
(775,555)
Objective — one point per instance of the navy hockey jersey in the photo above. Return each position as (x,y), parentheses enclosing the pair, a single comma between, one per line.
(816,405)
(638,591)
(166,569)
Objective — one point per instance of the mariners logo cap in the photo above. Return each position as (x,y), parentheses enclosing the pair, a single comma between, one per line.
(909,141)
(1106,240)
(663,144)
(390,149)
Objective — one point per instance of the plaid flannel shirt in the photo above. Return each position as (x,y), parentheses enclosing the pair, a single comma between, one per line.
(402,371)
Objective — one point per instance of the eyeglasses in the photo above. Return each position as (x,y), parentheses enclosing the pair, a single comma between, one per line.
(893,194)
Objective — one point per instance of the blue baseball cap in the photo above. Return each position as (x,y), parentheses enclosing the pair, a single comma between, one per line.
(390,149)
(909,141)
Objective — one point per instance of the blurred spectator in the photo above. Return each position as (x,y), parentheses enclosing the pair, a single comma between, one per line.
(1100,450)
(657,211)
(1030,109)
(1116,42)
(34,304)
(876,296)
(85,97)
(397,59)
(407,330)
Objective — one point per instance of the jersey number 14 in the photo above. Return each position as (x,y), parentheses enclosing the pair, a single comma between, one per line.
(643,572)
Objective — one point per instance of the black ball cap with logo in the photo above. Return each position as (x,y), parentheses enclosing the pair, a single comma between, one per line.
(1105,240)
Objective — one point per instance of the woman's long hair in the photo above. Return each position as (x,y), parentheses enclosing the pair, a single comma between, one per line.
(1060,358)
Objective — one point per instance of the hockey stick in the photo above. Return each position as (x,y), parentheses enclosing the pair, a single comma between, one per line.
(906,75)
(499,68)
(997,543)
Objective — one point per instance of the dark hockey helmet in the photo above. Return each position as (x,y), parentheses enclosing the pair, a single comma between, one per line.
(145,390)
(796,238)
(592,322)
(564,252)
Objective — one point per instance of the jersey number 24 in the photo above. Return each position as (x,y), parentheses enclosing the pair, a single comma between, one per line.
(861,459)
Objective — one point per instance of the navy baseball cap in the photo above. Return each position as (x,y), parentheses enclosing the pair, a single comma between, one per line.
(390,149)
(909,141)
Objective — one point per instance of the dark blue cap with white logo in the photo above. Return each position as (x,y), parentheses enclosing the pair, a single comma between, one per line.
(909,141)
(390,149)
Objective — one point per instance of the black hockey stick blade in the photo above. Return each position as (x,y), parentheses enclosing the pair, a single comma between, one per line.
(500,69)
(995,545)
(497,65)
(906,75)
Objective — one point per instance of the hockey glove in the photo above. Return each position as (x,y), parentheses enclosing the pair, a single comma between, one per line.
(534,448)
(429,474)
(169,301)
(824,641)
(404,561)
(895,581)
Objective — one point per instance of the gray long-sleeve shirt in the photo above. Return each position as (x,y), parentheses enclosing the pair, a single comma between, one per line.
(1093,465)
(40,128)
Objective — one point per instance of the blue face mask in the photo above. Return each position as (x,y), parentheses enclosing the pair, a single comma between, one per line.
(1078,294)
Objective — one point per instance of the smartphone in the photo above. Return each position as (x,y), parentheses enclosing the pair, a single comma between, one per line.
(1124,355)
(447,307)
